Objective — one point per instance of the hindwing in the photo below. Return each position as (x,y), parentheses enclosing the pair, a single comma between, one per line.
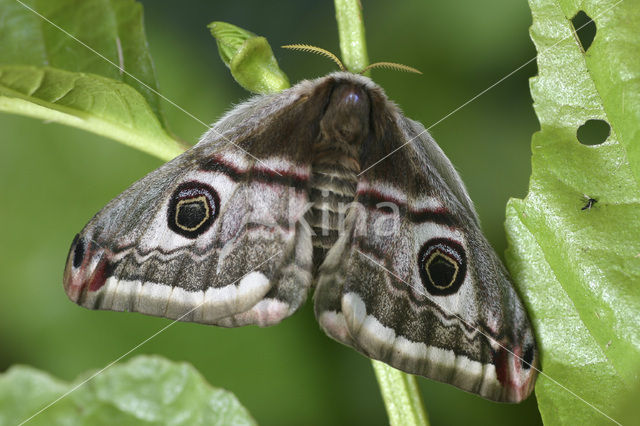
(413,282)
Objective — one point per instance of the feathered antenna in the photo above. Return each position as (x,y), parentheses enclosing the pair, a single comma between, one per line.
(392,66)
(314,49)
(334,58)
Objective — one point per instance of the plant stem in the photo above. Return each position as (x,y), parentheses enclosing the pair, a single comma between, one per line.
(399,390)
(401,396)
(353,47)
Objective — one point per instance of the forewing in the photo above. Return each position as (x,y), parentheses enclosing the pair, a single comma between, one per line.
(212,236)
(413,282)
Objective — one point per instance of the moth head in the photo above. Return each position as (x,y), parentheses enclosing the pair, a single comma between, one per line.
(347,115)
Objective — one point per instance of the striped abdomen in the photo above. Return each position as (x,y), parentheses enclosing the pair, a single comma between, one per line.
(332,188)
(335,166)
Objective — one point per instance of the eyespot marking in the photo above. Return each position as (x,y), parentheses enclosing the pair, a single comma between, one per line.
(527,358)
(193,208)
(78,250)
(443,266)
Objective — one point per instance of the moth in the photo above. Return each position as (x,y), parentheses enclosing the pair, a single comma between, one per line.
(285,195)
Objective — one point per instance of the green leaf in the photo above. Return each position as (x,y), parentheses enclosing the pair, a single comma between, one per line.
(577,269)
(250,59)
(90,102)
(229,39)
(113,28)
(146,390)
(47,74)
(628,411)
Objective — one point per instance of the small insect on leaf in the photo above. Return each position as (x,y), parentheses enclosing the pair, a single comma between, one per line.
(589,204)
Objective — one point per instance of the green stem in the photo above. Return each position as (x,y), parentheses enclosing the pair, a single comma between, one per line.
(401,396)
(399,390)
(353,47)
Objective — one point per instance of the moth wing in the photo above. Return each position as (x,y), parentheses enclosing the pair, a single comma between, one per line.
(213,236)
(413,282)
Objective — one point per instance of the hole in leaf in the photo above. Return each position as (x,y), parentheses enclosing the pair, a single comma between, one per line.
(593,132)
(585,29)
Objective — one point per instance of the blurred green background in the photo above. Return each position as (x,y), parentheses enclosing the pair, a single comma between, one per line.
(53,179)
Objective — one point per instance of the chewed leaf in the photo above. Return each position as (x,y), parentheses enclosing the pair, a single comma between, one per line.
(88,101)
(145,390)
(24,391)
(575,239)
(250,59)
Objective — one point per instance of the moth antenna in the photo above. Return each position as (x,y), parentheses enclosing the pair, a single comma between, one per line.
(392,66)
(318,50)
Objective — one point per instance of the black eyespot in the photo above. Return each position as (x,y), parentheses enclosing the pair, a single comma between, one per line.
(78,251)
(527,358)
(192,209)
(443,266)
